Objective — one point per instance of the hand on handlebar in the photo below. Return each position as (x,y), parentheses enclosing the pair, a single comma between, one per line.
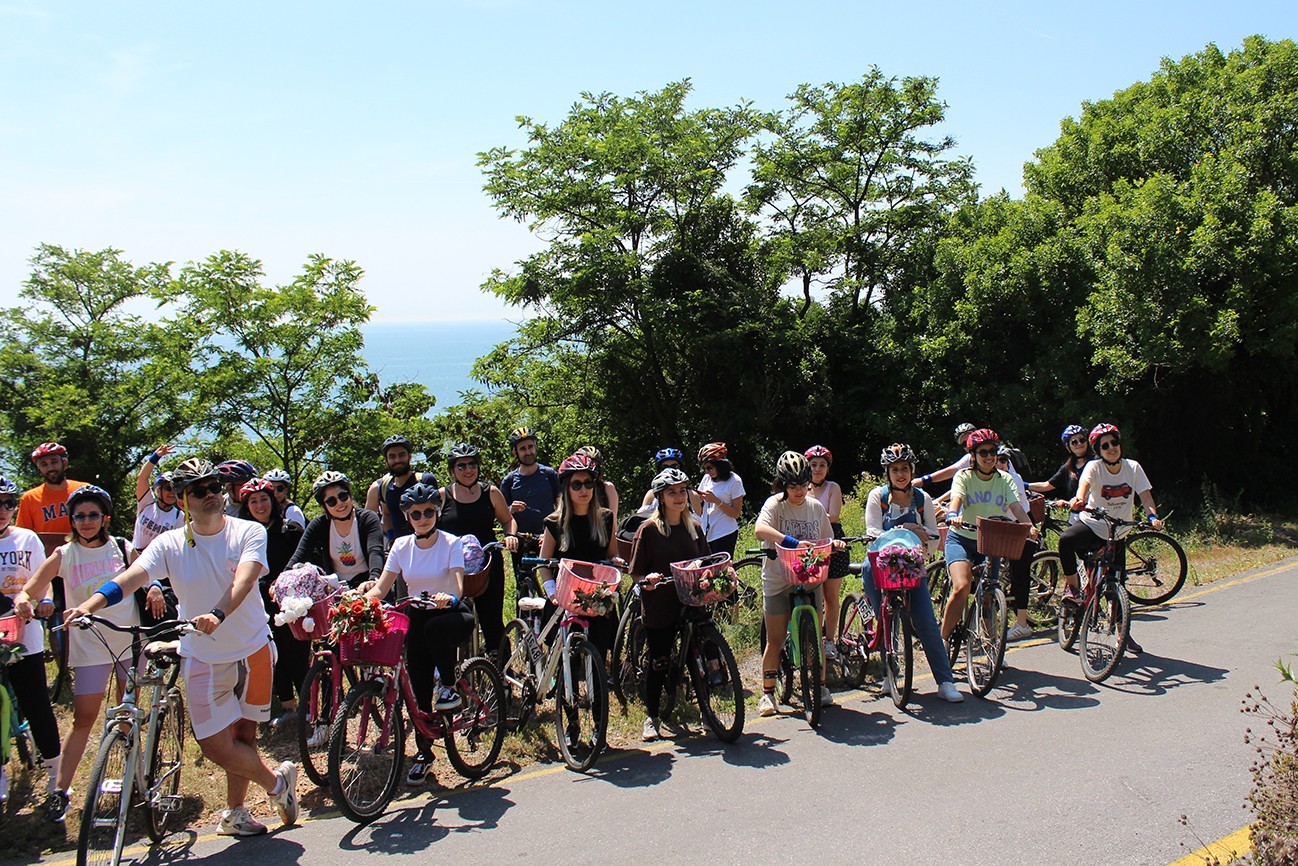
(206,623)
(652,579)
(511,543)
(1156,524)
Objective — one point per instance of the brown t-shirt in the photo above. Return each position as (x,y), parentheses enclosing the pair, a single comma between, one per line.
(654,553)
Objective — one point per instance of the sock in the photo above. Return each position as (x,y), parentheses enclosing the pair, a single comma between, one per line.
(279,786)
(51,773)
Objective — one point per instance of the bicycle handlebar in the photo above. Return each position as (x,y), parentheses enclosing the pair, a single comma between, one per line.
(184,626)
(1110,519)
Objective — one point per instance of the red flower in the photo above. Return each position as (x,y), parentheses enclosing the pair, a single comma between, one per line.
(374,604)
(358,607)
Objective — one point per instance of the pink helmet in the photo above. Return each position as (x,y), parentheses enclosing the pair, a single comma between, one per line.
(981,436)
(819,451)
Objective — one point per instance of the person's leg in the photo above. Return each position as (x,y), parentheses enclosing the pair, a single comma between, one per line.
(420,663)
(290,666)
(445,631)
(659,642)
(832,596)
(924,623)
(491,606)
(725,544)
(1074,542)
(89,685)
(27,677)
(777,626)
(1021,583)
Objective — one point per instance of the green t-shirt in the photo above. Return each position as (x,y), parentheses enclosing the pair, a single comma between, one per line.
(979,498)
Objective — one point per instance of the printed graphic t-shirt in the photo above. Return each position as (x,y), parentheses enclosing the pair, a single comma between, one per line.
(44,509)
(979,498)
(1114,492)
(84,570)
(346,553)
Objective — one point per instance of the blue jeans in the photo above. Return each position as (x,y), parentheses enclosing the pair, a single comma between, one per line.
(922,620)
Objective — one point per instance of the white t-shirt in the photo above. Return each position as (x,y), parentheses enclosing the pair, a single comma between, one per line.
(293,514)
(346,553)
(716,523)
(84,570)
(1114,492)
(806,522)
(201,575)
(427,570)
(151,521)
(21,553)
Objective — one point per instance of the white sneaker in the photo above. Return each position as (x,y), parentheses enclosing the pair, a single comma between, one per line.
(949,693)
(239,822)
(829,648)
(826,697)
(650,732)
(1020,631)
(319,737)
(286,800)
(766,705)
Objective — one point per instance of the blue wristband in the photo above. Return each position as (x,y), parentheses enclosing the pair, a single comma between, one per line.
(926,479)
(159,585)
(111,591)
(154,458)
(788,541)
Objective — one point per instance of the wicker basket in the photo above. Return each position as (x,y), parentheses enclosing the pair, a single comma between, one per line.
(319,612)
(686,579)
(1002,538)
(476,584)
(1036,507)
(885,579)
(790,557)
(384,649)
(576,576)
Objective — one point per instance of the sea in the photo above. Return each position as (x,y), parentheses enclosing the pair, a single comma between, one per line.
(437,355)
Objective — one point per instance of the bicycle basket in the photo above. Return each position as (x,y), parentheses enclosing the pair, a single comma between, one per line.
(587,589)
(890,579)
(11,630)
(704,581)
(1001,538)
(378,649)
(319,615)
(475,584)
(806,566)
(1036,507)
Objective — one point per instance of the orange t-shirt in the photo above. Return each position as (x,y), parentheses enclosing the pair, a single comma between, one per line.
(43,509)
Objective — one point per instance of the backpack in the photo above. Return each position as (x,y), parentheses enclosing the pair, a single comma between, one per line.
(920,500)
(1020,461)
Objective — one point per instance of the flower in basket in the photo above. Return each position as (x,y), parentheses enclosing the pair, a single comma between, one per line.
(293,608)
(808,564)
(721,580)
(358,616)
(599,602)
(299,587)
(901,561)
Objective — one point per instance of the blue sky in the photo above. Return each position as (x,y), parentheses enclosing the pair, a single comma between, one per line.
(173,130)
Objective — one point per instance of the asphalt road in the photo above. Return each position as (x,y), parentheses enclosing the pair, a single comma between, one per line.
(1049,769)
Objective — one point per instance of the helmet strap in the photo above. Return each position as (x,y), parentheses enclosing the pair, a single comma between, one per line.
(429,534)
(1107,462)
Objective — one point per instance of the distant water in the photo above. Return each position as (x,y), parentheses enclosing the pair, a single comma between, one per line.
(437,355)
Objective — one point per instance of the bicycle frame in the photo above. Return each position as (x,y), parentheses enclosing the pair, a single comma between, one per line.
(799,598)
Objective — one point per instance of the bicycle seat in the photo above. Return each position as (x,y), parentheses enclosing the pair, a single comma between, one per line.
(855,567)
(531,604)
(162,649)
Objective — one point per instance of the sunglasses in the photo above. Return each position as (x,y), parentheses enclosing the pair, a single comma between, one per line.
(87,517)
(281,488)
(461,467)
(1002,460)
(581,485)
(10,504)
(1112,443)
(164,486)
(1080,440)
(343,496)
(421,513)
(985,452)
(198,491)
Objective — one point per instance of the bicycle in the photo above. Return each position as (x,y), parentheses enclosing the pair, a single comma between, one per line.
(887,631)
(56,638)
(321,693)
(531,676)
(807,568)
(135,766)
(1102,616)
(368,735)
(15,735)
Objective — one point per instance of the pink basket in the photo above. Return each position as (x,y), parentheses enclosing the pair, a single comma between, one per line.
(384,649)
(884,578)
(318,612)
(686,579)
(791,556)
(11,630)
(576,576)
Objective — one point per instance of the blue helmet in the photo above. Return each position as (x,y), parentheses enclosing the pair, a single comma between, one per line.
(668,454)
(1070,431)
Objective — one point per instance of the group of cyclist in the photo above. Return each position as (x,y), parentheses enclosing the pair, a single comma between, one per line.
(210,539)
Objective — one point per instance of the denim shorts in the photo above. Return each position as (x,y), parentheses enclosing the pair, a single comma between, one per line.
(961,549)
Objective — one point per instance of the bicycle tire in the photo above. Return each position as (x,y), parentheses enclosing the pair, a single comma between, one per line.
(363,776)
(939,586)
(899,657)
(1156,567)
(518,686)
(1105,627)
(809,667)
(56,654)
(25,749)
(717,686)
(315,716)
(103,818)
(476,731)
(1068,621)
(985,640)
(1044,573)
(581,716)
(627,675)
(167,759)
(854,634)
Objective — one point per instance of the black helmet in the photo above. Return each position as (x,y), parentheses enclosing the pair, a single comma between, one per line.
(421,492)
(461,451)
(394,440)
(95,494)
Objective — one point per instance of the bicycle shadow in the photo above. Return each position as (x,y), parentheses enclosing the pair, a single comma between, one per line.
(1154,675)
(1033,691)
(412,829)
(755,750)
(633,768)
(272,847)
(853,727)
(932,710)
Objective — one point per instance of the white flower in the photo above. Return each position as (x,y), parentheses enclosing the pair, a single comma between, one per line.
(308,624)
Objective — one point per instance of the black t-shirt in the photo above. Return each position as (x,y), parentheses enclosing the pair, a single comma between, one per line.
(1066,478)
(584,548)
(392,503)
(655,553)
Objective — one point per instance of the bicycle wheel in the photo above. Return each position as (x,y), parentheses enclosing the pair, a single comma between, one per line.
(518,688)
(1043,573)
(56,658)
(717,686)
(628,647)
(1067,622)
(315,713)
(1104,632)
(1156,567)
(475,732)
(103,819)
(809,670)
(581,713)
(939,586)
(164,766)
(985,639)
(855,630)
(899,656)
(366,750)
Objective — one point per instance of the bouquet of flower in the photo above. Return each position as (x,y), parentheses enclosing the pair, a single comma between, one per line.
(297,589)
(357,615)
(597,602)
(806,567)
(905,565)
(719,581)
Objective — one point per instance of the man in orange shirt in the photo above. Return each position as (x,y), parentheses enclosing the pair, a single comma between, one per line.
(44,508)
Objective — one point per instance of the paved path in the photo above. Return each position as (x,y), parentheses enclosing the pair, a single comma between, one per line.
(1050,769)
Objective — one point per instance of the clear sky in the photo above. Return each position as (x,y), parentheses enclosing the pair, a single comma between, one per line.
(172,130)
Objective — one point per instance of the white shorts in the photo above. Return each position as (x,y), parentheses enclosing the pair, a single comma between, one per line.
(221,694)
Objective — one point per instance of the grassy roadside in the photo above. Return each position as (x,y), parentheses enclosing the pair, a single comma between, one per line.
(29,837)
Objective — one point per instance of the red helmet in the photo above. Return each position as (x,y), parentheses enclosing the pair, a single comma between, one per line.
(577,463)
(49,449)
(981,436)
(819,451)
(713,451)
(256,485)
(1100,429)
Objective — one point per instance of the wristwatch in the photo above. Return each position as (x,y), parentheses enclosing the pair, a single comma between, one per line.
(218,613)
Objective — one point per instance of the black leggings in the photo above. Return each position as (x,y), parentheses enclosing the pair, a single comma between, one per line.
(1021,576)
(1076,541)
(27,676)
(432,643)
(725,544)
(661,643)
(491,605)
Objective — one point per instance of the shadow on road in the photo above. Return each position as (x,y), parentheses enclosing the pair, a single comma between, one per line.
(1033,691)
(275,848)
(750,750)
(854,727)
(414,828)
(633,768)
(1149,674)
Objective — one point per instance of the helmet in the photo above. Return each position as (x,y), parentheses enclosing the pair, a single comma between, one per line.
(1070,431)
(981,436)
(236,471)
(898,452)
(1100,429)
(278,476)
(459,452)
(419,493)
(669,454)
(578,462)
(49,449)
(256,485)
(819,451)
(90,491)
(7,486)
(326,480)
(193,469)
(961,429)
(713,451)
(1003,451)
(792,468)
(161,478)
(667,478)
(519,434)
(592,452)
(395,440)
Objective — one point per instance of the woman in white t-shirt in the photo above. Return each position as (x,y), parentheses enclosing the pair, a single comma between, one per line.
(345,540)
(722,492)
(431,563)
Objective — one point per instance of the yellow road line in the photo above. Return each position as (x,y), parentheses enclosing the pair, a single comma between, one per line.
(1225,849)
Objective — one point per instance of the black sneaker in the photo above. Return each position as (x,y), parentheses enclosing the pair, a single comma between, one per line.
(1133,648)
(56,806)
(418,771)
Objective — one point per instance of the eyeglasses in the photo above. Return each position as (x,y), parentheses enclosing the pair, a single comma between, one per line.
(10,504)
(1002,460)
(87,517)
(198,491)
(1080,440)
(461,467)
(343,496)
(1112,443)
(582,485)
(985,452)
(421,513)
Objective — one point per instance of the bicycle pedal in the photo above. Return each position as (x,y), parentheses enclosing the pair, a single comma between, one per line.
(169,803)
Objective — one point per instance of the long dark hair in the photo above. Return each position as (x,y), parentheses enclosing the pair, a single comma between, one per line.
(724,469)
(276,523)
